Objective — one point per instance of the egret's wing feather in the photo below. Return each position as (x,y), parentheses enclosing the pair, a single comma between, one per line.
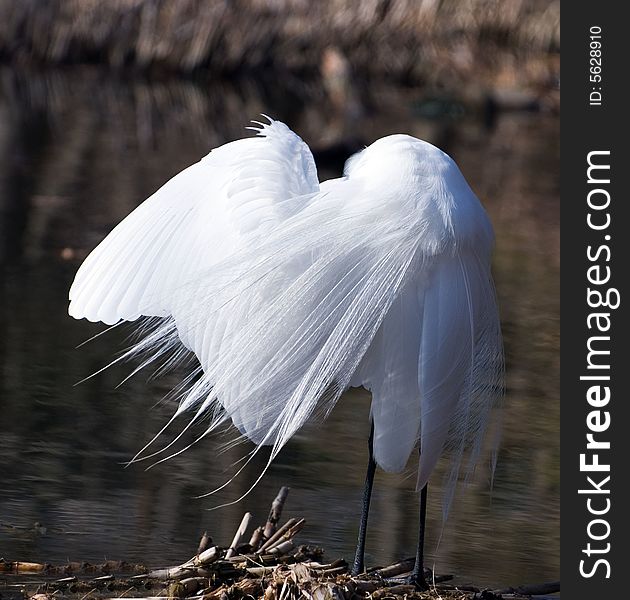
(196,219)
(460,362)
(445,357)
(434,367)
(390,371)
(127,273)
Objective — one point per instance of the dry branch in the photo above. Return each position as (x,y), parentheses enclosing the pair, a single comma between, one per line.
(398,568)
(204,543)
(540,589)
(240,534)
(21,567)
(281,548)
(276,512)
(257,538)
(278,535)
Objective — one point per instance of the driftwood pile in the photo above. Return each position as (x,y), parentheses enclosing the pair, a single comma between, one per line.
(267,566)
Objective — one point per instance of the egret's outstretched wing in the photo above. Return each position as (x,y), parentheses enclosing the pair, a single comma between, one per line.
(196,219)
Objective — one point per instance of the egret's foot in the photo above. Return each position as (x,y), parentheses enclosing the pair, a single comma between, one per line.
(418,581)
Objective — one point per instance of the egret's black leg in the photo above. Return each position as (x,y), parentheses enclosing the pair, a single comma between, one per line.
(417,575)
(358,565)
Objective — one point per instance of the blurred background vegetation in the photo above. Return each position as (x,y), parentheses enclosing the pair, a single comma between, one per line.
(431,41)
(102,102)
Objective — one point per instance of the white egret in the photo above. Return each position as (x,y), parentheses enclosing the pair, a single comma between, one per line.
(289,292)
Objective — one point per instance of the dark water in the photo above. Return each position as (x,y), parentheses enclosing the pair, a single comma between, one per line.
(77,152)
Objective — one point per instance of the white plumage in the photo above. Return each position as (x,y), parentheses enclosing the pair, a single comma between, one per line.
(289,292)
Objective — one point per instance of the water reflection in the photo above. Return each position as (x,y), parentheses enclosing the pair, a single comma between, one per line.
(78,152)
